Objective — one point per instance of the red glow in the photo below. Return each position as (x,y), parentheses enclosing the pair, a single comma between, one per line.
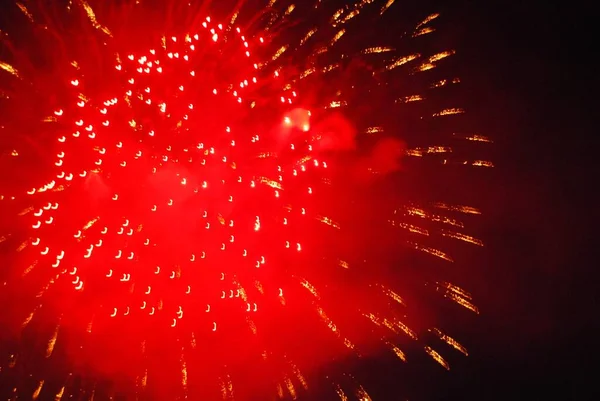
(181,215)
(173,199)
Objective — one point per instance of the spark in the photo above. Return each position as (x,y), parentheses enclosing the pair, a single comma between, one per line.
(299,375)
(409,99)
(398,352)
(410,227)
(440,56)
(462,237)
(337,104)
(450,341)
(482,163)
(60,394)
(337,37)
(458,295)
(419,152)
(362,394)
(184,373)
(289,10)
(29,268)
(449,112)
(38,389)
(457,208)
(387,5)
(290,388)
(431,251)
(279,52)
(336,16)
(390,293)
(340,393)
(396,326)
(308,35)
(144,379)
(423,31)
(92,16)
(25,11)
(378,50)
(23,245)
(427,20)
(422,213)
(401,61)
(310,288)
(475,138)
(334,329)
(9,68)
(328,221)
(437,357)
(445,82)
(373,130)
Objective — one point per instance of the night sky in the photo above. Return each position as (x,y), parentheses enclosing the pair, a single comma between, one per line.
(527,67)
(524,69)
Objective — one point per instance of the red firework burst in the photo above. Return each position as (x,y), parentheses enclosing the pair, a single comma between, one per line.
(186,203)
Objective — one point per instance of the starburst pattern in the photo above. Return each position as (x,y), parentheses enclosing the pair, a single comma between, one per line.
(200,200)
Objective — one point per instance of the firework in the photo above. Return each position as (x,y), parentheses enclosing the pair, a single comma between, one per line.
(199,198)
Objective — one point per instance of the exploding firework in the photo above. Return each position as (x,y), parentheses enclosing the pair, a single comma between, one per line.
(201,198)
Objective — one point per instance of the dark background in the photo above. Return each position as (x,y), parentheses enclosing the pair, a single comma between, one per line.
(530,68)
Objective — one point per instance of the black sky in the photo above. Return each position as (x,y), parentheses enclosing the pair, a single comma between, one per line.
(531,73)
